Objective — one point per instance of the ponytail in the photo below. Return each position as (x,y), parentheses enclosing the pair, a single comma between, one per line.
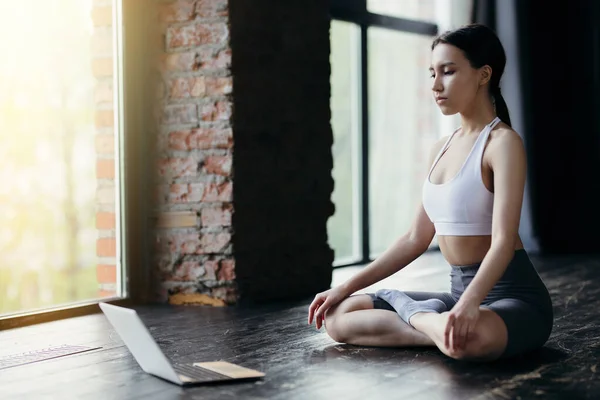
(501,107)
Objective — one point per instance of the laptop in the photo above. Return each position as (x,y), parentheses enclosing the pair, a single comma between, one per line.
(152,360)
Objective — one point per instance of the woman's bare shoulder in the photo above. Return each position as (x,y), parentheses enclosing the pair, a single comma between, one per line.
(504,136)
(505,143)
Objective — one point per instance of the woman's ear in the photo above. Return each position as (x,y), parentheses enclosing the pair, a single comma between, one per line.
(485,74)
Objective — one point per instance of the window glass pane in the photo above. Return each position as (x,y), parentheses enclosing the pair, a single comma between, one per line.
(343,226)
(403,126)
(423,10)
(58,230)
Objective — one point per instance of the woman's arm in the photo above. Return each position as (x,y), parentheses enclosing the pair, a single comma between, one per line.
(508,162)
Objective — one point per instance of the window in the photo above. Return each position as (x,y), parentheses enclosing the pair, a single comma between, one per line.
(384,119)
(402,130)
(343,225)
(60,135)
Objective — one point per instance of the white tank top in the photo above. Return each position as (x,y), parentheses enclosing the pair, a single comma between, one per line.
(463,205)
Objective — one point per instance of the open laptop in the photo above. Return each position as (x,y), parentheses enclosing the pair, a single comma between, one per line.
(149,356)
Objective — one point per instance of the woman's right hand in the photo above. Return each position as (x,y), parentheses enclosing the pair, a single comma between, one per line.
(323,302)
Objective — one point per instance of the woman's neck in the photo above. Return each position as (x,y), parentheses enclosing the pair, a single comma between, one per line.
(478,116)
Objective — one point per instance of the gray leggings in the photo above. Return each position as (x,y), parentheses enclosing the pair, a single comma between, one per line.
(519,297)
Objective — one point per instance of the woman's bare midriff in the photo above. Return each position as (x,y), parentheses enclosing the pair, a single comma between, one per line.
(467,250)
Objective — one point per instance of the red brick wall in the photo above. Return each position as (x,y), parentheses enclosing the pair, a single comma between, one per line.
(194,153)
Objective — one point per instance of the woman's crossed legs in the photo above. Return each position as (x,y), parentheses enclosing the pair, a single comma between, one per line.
(357,321)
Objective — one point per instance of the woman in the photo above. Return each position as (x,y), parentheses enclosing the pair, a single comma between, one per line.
(498,306)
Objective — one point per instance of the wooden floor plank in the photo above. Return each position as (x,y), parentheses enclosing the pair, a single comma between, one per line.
(303,363)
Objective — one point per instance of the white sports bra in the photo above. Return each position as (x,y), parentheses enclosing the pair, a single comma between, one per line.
(463,205)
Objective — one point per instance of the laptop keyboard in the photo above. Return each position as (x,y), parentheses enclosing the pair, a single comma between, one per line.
(199,374)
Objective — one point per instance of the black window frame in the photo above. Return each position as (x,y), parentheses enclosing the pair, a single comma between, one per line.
(355,11)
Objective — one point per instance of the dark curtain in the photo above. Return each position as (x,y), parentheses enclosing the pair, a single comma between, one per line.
(552,88)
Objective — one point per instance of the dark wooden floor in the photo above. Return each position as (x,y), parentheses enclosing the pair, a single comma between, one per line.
(302,363)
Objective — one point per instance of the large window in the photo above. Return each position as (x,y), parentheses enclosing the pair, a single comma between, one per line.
(384,119)
(344,226)
(60,220)
(403,126)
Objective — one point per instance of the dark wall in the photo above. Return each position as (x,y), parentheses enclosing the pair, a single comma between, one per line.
(560,47)
(282,147)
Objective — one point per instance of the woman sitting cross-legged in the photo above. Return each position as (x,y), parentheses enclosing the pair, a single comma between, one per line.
(498,305)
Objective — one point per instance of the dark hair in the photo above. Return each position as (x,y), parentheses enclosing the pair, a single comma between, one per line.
(481,46)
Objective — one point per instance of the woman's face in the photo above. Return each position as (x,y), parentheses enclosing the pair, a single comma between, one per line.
(455,83)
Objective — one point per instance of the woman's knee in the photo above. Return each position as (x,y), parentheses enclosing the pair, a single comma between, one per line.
(335,330)
(486,343)
(349,304)
(476,350)
(334,325)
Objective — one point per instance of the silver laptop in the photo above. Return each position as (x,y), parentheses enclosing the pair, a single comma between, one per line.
(146,352)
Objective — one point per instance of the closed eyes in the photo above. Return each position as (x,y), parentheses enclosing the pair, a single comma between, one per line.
(445,73)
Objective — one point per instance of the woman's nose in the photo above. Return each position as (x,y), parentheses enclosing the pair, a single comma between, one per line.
(436,86)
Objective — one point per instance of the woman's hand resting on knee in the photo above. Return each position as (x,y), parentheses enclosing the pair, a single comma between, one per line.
(461,324)
(323,302)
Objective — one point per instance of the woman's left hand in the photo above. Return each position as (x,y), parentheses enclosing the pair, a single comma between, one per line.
(461,323)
